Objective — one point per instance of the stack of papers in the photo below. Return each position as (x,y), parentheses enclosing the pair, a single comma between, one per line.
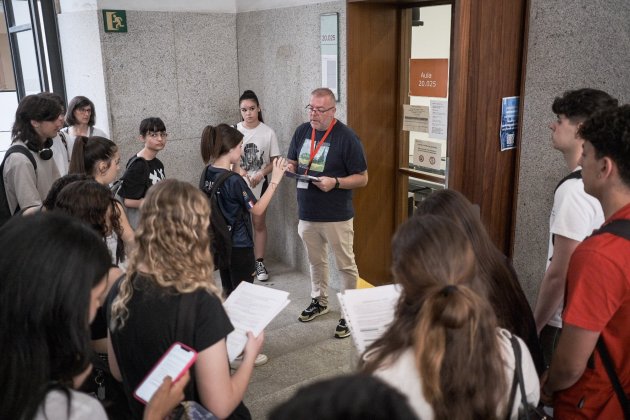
(251,308)
(369,312)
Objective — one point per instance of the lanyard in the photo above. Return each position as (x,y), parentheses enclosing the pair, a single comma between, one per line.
(314,149)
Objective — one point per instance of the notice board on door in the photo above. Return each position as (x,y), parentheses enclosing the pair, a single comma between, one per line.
(428,77)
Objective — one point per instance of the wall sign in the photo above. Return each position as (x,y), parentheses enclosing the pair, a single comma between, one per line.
(428,77)
(329,42)
(427,154)
(509,122)
(416,118)
(115,20)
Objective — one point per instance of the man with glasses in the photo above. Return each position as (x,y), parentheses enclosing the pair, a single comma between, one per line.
(327,149)
(143,169)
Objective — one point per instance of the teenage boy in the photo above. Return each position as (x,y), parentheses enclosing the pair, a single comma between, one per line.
(597,306)
(38,119)
(574,214)
(144,169)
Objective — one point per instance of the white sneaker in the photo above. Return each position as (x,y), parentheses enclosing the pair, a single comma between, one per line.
(261,359)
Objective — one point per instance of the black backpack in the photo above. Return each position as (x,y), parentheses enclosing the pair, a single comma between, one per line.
(5,211)
(220,232)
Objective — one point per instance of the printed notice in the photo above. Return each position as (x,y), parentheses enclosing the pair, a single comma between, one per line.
(416,118)
(329,44)
(509,122)
(438,118)
(427,154)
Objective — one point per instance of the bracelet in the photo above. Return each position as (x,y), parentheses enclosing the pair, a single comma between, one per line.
(336,183)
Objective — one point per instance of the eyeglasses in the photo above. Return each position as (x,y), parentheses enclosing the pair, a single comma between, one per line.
(311,110)
(156,134)
(84,110)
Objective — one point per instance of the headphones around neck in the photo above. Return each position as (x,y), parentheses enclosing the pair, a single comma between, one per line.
(45,153)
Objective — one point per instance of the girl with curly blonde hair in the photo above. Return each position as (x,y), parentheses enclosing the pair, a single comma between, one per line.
(169,295)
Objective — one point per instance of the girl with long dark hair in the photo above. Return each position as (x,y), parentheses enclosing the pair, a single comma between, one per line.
(260,148)
(443,349)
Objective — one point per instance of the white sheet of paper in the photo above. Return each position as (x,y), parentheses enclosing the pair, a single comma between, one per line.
(251,307)
(438,119)
(369,312)
(416,118)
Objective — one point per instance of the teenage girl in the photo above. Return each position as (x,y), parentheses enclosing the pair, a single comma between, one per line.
(54,277)
(443,349)
(98,158)
(222,146)
(169,295)
(260,149)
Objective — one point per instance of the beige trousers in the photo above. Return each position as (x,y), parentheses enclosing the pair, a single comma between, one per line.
(340,237)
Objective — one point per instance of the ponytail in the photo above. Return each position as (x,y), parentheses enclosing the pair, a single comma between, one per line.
(87,152)
(457,354)
(77,160)
(217,141)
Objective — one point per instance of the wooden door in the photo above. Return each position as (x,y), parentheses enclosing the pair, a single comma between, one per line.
(485,65)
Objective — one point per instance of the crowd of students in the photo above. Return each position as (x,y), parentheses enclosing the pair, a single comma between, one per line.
(96,284)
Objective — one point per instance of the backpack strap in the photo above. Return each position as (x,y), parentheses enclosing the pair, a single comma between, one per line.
(573,175)
(618,227)
(62,136)
(16,148)
(621,228)
(118,184)
(518,372)
(614,379)
(219,182)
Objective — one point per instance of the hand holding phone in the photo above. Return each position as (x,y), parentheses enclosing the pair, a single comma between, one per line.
(174,363)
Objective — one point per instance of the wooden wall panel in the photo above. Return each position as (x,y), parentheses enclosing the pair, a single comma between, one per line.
(486,62)
(373,77)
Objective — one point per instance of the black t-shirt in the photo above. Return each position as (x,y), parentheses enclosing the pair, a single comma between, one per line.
(140,176)
(235,200)
(152,328)
(340,155)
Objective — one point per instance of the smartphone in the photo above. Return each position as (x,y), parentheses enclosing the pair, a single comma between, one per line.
(174,363)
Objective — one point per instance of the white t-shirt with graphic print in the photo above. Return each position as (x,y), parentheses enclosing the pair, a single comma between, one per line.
(259,146)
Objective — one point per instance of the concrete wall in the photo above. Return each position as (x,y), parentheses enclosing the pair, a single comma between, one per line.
(279,59)
(571,44)
(188,64)
(178,66)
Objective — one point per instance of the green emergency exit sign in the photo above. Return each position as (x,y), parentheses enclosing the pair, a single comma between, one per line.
(115,20)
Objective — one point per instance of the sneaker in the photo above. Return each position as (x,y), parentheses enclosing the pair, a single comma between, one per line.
(261,271)
(342,330)
(261,359)
(313,311)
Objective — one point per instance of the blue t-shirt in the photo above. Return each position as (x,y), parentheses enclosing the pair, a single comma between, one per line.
(340,155)
(235,200)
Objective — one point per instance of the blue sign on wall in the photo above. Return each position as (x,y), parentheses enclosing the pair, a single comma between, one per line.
(509,122)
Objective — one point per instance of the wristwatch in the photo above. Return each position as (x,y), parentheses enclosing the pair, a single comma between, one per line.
(336,182)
